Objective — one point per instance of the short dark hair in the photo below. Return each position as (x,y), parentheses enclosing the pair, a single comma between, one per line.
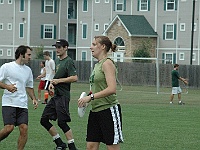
(176,65)
(21,50)
(43,62)
(46,53)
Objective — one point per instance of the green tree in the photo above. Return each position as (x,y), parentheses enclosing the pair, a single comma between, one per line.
(143,51)
(39,52)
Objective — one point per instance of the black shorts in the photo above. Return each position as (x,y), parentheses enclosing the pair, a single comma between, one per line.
(47,83)
(14,115)
(57,108)
(105,126)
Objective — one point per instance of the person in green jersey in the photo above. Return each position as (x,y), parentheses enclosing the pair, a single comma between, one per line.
(175,85)
(105,118)
(58,106)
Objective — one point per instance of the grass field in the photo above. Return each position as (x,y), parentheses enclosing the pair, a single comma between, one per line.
(149,122)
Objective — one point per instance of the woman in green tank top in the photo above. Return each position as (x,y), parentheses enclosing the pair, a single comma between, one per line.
(105,118)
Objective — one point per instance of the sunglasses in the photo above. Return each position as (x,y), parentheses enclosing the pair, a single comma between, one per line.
(58,47)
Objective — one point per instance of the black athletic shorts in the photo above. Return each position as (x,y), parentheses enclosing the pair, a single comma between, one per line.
(57,108)
(14,115)
(47,83)
(105,126)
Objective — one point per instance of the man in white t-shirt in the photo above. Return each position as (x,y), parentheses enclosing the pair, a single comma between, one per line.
(50,72)
(17,80)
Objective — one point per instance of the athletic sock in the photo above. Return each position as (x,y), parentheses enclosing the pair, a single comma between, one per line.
(72,146)
(57,140)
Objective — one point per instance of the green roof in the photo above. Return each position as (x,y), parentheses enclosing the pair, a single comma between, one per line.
(137,25)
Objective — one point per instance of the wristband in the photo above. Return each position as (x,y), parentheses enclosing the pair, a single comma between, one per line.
(92,96)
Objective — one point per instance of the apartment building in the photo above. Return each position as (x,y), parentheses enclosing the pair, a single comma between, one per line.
(41,22)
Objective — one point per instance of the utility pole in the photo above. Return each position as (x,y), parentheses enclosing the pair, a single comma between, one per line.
(192,35)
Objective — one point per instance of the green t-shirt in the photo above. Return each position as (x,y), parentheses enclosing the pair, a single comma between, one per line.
(98,83)
(64,68)
(175,78)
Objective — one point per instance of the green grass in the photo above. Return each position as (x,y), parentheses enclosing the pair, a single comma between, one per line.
(149,122)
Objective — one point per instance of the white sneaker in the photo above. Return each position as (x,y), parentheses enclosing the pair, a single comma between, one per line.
(39,100)
(81,110)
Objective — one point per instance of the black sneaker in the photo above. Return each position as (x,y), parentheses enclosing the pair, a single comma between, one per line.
(61,147)
(181,103)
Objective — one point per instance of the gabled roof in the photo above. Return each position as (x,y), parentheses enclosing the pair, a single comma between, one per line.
(135,25)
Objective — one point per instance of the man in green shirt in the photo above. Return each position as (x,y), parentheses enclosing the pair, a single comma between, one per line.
(175,85)
(58,106)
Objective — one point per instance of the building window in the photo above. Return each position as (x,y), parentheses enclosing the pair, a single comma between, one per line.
(84,55)
(9,1)
(193,56)
(85,5)
(84,31)
(195,27)
(48,31)
(1,1)
(119,5)
(96,27)
(9,27)
(181,56)
(182,26)
(143,6)
(8,52)
(168,58)
(105,26)
(169,31)
(170,5)
(106,1)
(1,52)
(22,5)
(21,30)
(1,26)
(48,6)
(97,1)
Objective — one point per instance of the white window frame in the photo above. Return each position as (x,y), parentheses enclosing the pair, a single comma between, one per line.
(83,6)
(168,2)
(1,26)
(193,56)
(45,5)
(106,1)
(9,26)
(96,27)
(118,56)
(23,30)
(52,32)
(166,25)
(1,1)
(83,51)
(181,56)
(170,61)
(143,4)
(182,25)
(8,52)
(1,52)
(195,26)
(9,1)
(20,6)
(97,1)
(86,30)
(118,4)
(105,26)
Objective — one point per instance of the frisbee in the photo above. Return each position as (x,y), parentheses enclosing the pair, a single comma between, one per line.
(81,110)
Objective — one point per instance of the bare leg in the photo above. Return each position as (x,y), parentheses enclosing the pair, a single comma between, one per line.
(23,128)
(52,131)
(6,131)
(93,145)
(39,94)
(171,97)
(69,135)
(113,147)
(179,96)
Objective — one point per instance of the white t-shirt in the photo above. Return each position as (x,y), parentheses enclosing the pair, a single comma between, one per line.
(50,68)
(41,72)
(21,75)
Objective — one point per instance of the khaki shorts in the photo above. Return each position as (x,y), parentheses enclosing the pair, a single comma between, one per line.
(176,90)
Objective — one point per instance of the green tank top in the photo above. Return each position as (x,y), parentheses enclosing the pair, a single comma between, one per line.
(98,83)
